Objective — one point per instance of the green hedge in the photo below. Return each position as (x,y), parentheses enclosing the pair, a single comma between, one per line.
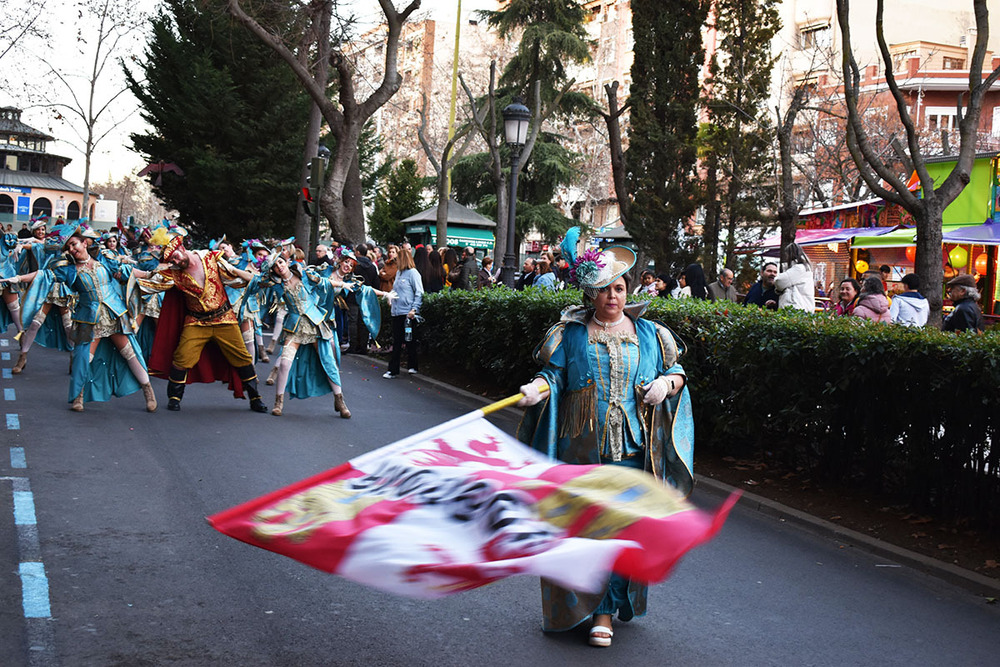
(908,413)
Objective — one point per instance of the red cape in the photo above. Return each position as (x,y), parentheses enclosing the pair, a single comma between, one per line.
(211,366)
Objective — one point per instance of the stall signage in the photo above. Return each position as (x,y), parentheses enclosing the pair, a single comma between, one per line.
(24,205)
(15,189)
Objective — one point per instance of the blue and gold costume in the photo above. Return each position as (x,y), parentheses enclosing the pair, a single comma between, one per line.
(53,331)
(99,313)
(594,414)
(8,269)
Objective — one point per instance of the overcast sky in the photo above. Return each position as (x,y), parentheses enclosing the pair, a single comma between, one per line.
(30,87)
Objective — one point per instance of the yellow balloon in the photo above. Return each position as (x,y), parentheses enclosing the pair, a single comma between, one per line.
(861,265)
(958,257)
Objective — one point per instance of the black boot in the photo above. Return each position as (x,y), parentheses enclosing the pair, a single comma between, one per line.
(175,388)
(249,378)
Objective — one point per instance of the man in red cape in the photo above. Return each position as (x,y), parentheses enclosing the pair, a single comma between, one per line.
(196,311)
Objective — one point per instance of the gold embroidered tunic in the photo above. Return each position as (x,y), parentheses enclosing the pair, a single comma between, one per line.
(206,305)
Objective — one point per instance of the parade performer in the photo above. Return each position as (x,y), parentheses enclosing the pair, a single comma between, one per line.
(610,392)
(253,255)
(200,276)
(287,250)
(346,261)
(52,324)
(310,357)
(147,259)
(106,358)
(9,249)
(111,244)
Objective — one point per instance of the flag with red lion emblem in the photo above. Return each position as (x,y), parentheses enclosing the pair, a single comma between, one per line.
(464,504)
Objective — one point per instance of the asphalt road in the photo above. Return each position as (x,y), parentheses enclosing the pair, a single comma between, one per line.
(136,577)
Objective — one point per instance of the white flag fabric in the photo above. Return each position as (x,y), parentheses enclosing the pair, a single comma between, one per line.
(464,504)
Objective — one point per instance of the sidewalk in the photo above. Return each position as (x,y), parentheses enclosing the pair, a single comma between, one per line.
(961,577)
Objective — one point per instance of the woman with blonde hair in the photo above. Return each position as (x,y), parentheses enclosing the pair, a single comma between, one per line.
(409,290)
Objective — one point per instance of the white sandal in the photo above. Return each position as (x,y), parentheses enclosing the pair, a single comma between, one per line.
(600,641)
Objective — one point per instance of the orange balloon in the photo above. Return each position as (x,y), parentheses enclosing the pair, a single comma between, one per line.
(911,253)
(861,265)
(982,263)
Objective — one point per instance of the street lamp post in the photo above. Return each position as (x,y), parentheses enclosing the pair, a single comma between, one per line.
(516,119)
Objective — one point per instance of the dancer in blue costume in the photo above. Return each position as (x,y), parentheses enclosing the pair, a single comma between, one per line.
(147,259)
(310,357)
(111,245)
(610,392)
(106,357)
(11,314)
(275,305)
(52,324)
(253,255)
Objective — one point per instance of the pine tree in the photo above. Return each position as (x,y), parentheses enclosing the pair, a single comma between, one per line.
(552,36)
(663,124)
(402,197)
(229,114)
(737,138)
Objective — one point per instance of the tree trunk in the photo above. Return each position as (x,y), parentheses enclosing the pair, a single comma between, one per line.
(443,195)
(354,211)
(303,221)
(710,231)
(929,219)
(788,211)
(618,167)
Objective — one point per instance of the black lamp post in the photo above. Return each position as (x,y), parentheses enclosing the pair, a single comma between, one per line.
(516,119)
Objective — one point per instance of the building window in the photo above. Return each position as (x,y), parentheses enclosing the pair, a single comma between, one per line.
(42,206)
(953,63)
(900,60)
(940,118)
(814,36)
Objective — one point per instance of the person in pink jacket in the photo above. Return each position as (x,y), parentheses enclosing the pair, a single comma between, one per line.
(872,303)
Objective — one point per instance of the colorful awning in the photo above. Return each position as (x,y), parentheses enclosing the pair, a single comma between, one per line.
(987,233)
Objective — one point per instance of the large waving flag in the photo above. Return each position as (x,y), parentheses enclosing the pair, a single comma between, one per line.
(464,504)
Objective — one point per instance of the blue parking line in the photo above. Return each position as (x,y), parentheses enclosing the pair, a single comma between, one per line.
(24,508)
(13,423)
(7,375)
(17,458)
(9,395)
(35,590)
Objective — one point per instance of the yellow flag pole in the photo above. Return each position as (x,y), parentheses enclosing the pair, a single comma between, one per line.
(507,402)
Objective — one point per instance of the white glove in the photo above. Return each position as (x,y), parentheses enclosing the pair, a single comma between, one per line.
(656,391)
(390,297)
(533,392)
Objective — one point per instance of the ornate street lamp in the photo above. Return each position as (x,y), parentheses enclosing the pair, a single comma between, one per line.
(516,119)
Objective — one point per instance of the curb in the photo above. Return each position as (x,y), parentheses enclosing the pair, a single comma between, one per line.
(512,413)
(972,582)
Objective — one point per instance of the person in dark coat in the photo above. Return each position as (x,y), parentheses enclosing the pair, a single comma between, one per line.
(966,316)
(470,269)
(763,294)
(527,274)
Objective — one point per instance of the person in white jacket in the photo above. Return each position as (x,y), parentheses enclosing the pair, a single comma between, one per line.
(910,308)
(795,284)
